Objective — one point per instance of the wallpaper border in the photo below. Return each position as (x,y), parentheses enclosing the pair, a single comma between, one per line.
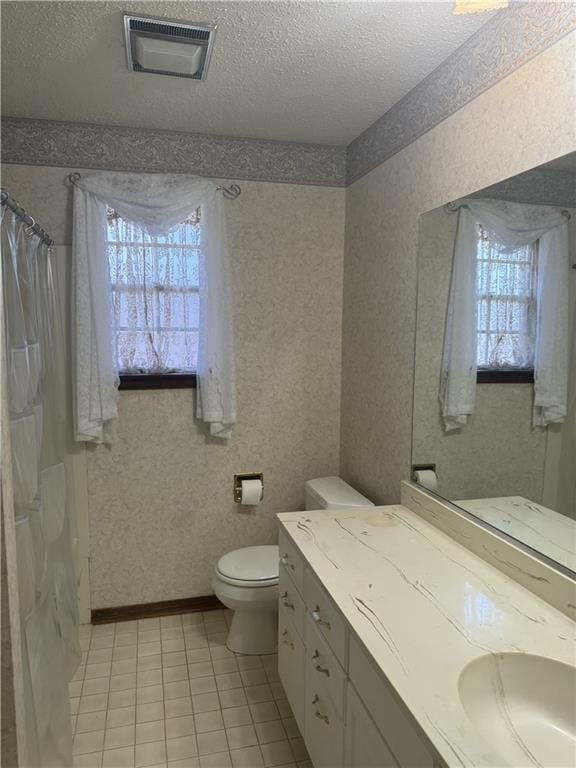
(507,41)
(27,141)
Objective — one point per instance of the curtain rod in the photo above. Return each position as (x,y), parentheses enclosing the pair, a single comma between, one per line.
(454,206)
(33,228)
(230,193)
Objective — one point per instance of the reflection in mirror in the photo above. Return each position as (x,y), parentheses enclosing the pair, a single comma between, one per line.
(495,378)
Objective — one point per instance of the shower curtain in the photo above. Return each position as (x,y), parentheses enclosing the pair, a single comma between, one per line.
(36,542)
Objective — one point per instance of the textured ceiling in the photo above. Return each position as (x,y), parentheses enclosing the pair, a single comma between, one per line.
(299,71)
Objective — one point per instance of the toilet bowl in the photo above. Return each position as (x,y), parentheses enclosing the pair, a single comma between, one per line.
(246,580)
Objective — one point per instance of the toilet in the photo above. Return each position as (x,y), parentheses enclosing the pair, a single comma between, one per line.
(246,580)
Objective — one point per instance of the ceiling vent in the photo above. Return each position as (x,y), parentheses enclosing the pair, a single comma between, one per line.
(168,47)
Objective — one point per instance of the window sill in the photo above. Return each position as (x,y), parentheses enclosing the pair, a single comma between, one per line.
(157,381)
(505,377)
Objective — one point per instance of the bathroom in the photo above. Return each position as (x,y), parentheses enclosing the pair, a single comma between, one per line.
(332,189)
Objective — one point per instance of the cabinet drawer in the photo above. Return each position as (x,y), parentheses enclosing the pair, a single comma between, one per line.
(395,726)
(325,615)
(291,559)
(323,727)
(364,747)
(291,663)
(290,600)
(323,668)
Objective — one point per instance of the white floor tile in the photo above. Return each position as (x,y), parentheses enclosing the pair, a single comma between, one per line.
(93,703)
(209,721)
(167,693)
(154,731)
(234,716)
(148,713)
(217,760)
(205,702)
(242,736)
(178,707)
(251,757)
(150,754)
(93,721)
(277,753)
(119,737)
(176,727)
(119,758)
(88,742)
(174,674)
(178,749)
(122,716)
(214,741)
(202,685)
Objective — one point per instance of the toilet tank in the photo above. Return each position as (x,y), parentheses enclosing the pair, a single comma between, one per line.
(328,492)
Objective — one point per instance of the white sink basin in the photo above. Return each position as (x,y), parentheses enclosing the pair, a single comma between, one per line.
(524,707)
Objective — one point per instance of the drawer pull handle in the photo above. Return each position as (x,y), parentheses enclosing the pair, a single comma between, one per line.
(319,714)
(317,666)
(286,639)
(285,560)
(318,619)
(285,602)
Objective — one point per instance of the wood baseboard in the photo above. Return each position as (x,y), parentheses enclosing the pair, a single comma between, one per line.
(151,610)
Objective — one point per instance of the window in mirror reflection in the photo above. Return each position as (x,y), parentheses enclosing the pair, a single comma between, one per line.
(506,290)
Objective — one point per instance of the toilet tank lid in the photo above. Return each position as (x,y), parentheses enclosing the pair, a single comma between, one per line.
(334,492)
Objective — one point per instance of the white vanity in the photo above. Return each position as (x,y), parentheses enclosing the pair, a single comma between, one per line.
(382,617)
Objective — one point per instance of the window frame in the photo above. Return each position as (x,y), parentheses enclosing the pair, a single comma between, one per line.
(503,375)
(150,381)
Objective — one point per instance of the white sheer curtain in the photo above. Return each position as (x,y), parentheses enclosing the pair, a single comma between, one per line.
(157,204)
(513,225)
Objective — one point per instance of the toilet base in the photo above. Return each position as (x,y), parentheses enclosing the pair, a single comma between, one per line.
(253,632)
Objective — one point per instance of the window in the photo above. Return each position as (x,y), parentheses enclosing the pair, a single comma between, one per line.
(155,302)
(506,290)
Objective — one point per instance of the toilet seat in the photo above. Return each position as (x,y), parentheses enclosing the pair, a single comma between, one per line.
(250,567)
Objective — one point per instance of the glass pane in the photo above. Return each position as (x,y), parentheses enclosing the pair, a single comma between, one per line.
(155,295)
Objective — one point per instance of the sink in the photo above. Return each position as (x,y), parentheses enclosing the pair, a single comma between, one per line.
(524,707)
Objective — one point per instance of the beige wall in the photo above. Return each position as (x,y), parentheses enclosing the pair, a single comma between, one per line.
(523,121)
(160,500)
(498,453)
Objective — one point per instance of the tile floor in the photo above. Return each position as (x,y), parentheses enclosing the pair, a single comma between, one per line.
(167,693)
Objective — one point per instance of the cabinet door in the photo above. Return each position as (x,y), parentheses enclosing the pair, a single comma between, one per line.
(364,747)
(291,661)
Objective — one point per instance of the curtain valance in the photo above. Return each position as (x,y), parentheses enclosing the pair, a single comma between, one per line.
(513,225)
(157,203)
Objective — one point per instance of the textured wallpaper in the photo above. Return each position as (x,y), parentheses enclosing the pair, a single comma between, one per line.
(523,121)
(497,453)
(160,500)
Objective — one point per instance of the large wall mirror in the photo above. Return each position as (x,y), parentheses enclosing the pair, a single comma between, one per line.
(495,379)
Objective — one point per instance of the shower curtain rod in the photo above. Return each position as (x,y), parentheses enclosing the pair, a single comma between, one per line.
(33,228)
(230,193)
(455,205)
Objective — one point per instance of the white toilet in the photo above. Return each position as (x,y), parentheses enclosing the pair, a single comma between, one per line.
(246,580)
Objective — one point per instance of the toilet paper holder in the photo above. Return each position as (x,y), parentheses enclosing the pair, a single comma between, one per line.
(245,476)
(421,468)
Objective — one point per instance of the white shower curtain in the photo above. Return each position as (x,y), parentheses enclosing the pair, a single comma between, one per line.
(156,203)
(40,572)
(513,225)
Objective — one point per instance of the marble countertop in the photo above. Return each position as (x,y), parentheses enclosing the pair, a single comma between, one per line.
(434,607)
(539,527)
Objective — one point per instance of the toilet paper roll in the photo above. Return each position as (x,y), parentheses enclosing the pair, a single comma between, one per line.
(251,492)
(427,478)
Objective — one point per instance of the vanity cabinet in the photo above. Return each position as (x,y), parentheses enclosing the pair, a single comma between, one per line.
(345,709)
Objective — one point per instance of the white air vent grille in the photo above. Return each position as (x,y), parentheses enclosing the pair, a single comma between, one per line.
(154,36)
